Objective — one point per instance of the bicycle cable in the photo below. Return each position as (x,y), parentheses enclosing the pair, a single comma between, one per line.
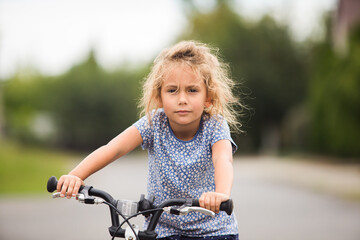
(132,216)
(125,219)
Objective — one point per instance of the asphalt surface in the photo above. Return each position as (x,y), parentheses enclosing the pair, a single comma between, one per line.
(269,204)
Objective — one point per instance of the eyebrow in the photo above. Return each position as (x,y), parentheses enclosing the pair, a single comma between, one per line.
(193,85)
(176,86)
(171,86)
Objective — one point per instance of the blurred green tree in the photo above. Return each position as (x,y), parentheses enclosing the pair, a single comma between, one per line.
(2,113)
(334,99)
(81,109)
(263,58)
(25,95)
(91,106)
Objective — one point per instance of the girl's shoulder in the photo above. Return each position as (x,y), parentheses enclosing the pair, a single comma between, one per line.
(215,125)
(214,121)
(158,117)
(155,119)
(217,128)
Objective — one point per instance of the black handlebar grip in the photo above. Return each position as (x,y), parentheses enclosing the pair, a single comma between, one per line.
(226,206)
(52,184)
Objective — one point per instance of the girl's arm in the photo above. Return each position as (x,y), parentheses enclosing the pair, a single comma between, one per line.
(125,142)
(224,175)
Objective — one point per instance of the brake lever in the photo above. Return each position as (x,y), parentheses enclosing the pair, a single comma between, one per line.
(57,195)
(81,198)
(198,209)
(185,210)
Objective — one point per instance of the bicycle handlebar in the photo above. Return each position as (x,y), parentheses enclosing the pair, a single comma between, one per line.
(149,234)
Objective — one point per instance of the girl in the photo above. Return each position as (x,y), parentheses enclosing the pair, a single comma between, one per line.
(187,102)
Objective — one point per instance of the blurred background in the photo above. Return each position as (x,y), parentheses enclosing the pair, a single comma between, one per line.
(71,75)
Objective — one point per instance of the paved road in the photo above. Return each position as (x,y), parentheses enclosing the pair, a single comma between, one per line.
(266,209)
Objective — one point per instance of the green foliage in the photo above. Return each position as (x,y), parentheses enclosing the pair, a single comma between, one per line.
(334,99)
(92,106)
(263,58)
(86,107)
(23,98)
(289,88)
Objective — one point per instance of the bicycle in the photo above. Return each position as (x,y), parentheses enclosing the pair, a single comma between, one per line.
(128,209)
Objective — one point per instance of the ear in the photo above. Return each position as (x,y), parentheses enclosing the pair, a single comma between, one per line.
(208,102)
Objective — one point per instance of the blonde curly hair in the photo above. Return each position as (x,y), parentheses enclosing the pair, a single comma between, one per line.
(205,63)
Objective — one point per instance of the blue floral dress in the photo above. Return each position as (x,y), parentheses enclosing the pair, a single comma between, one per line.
(184,169)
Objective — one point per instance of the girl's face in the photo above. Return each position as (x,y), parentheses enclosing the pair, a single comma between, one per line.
(183,97)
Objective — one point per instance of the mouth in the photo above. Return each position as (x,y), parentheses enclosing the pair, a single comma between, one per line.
(182,112)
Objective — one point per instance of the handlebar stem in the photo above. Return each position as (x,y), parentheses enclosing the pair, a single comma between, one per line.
(107,197)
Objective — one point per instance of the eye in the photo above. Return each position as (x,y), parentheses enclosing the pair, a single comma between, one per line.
(171,90)
(193,90)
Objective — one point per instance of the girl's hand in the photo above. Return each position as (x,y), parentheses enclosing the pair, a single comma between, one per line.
(212,200)
(69,185)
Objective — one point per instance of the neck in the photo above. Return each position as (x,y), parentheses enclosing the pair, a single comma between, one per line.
(185,136)
(185,133)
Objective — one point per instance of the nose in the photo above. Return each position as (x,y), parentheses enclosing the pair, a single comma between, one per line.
(182,98)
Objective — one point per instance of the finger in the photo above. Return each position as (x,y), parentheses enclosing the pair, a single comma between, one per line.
(201,201)
(60,183)
(207,202)
(70,189)
(76,188)
(217,204)
(64,188)
(213,202)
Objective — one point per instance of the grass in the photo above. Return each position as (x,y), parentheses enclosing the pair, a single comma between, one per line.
(25,170)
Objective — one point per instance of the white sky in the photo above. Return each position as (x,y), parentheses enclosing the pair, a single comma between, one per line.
(52,35)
